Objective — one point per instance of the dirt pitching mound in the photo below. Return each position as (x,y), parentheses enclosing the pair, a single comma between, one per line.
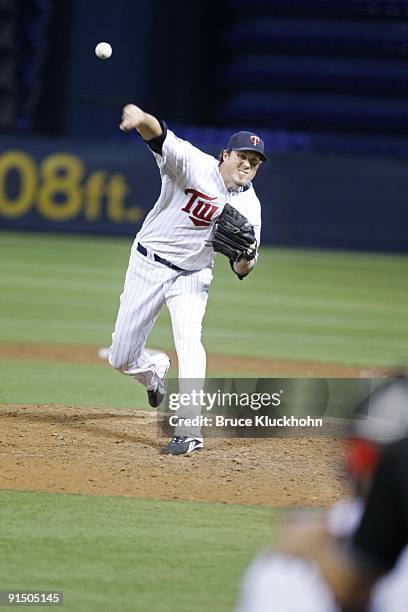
(117,452)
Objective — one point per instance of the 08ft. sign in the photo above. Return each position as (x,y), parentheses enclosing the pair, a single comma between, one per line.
(60,189)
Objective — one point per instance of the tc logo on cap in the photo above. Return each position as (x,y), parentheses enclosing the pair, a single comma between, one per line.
(247,141)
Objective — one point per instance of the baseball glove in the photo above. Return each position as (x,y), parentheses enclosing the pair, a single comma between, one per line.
(234,235)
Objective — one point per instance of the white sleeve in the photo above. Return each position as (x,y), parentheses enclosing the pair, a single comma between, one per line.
(276,583)
(257,224)
(177,157)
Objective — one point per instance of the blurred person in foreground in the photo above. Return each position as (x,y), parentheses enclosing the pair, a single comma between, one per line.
(355,558)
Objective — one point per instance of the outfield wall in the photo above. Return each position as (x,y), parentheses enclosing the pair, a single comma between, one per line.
(309,200)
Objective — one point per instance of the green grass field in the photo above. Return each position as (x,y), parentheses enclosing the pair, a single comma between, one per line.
(109,553)
(131,554)
(307,305)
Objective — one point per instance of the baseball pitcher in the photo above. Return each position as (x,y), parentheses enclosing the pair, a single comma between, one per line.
(205,206)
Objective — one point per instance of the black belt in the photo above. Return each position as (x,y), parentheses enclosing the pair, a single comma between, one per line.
(161,260)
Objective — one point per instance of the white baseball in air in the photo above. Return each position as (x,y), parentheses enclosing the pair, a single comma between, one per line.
(103,50)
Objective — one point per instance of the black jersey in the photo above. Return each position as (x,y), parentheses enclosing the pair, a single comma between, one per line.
(383,531)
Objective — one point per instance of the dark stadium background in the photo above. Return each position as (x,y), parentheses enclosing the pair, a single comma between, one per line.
(324,82)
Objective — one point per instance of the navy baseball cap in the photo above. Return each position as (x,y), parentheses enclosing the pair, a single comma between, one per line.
(247,141)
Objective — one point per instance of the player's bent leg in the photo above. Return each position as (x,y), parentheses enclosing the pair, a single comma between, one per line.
(140,304)
(128,356)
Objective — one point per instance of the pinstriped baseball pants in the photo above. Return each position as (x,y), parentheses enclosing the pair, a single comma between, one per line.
(149,285)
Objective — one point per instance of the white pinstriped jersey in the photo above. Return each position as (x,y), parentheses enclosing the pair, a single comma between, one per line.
(193,194)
